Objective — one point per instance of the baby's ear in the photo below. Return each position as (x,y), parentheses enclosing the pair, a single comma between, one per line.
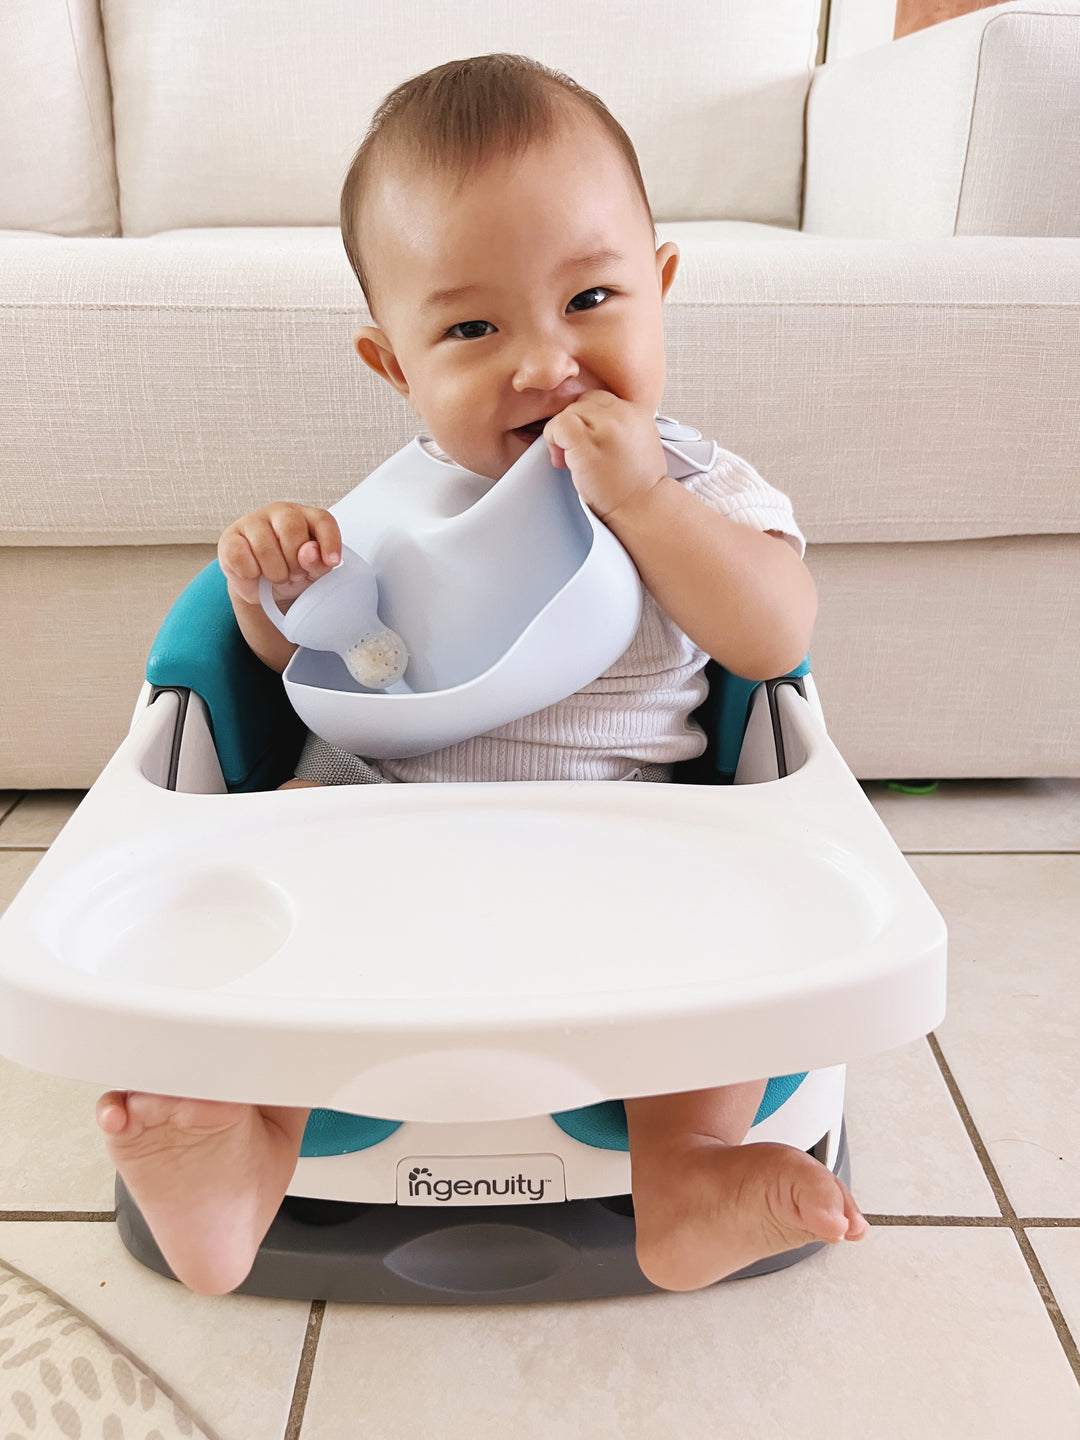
(667,262)
(373,347)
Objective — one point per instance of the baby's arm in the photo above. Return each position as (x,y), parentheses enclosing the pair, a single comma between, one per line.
(293,546)
(746,599)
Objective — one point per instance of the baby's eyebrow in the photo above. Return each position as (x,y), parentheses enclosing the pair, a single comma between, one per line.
(579,262)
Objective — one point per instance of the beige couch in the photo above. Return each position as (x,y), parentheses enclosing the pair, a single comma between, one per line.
(883,316)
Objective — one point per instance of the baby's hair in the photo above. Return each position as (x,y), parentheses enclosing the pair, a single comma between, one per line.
(460,114)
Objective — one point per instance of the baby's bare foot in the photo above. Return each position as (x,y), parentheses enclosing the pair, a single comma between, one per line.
(207,1176)
(712,1208)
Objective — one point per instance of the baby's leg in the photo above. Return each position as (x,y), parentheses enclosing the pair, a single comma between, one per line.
(207,1176)
(706,1205)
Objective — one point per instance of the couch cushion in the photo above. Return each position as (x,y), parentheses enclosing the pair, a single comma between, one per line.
(897,391)
(249,114)
(969,128)
(56,151)
(1025,128)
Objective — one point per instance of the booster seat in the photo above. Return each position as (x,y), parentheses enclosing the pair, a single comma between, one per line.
(467,1142)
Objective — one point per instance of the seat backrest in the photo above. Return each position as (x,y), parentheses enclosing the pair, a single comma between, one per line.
(234,114)
(258,735)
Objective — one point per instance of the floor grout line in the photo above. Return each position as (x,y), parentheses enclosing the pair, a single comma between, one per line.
(15,849)
(990,852)
(93,1217)
(998,1222)
(304,1369)
(1009,1216)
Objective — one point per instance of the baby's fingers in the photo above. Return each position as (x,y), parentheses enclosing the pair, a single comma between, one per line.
(325,546)
(309,558)
(270,553)
(241,569)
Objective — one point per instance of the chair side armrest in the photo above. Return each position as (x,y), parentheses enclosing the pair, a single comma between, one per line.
(971,127)
(257,734)
(723,716)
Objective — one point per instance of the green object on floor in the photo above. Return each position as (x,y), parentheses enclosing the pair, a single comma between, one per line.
(913,787)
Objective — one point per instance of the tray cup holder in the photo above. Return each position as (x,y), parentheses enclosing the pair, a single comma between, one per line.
(193,929)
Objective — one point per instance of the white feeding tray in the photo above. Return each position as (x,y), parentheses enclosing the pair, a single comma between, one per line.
(467,952)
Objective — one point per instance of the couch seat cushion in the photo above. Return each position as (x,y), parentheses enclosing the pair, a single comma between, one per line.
(156,388)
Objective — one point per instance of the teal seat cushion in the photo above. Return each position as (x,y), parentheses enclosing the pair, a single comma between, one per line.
(332,1132)
(604,1125)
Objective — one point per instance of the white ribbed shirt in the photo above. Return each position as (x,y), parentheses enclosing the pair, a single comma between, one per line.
(638,711)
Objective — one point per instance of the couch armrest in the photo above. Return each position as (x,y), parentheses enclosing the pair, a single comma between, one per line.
(971,127)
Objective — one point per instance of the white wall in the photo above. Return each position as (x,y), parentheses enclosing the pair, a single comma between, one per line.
(856,25)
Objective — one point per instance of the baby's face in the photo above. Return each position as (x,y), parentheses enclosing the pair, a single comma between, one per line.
(560,291)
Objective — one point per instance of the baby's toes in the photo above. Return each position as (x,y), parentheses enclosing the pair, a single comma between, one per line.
(111,1112)
(179,1113)
(136,1122)
(822,1204)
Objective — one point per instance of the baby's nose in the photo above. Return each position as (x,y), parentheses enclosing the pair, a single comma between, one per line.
(544,366)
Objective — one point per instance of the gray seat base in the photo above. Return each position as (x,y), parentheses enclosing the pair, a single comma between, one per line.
(470,1255)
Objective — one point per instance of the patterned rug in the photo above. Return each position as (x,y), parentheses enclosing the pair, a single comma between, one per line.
(61,1376)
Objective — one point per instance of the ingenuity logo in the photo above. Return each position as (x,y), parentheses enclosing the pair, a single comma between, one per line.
(502,1180)
(443,1189)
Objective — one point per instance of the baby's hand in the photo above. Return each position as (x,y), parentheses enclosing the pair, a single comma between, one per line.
(610,446)
(292,545)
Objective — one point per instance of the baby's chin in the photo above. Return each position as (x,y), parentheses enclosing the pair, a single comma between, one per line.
(501,456)
(495,459)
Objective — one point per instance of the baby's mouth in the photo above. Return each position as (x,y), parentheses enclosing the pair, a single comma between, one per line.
(533,430)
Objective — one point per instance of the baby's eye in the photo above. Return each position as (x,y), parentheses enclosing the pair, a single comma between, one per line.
(587,295)
(468,325)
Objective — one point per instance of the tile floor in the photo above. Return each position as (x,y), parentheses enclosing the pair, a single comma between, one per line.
(956,1319)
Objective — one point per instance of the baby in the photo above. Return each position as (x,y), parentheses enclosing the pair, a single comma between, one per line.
(497,221)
